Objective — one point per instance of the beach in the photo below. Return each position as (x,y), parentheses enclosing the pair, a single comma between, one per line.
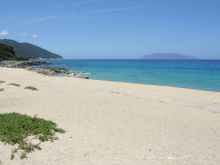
(114,123)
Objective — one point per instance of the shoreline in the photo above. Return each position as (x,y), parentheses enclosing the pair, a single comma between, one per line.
(153,85)
(128,82)
(34,66)
(192,78)
(55,72)
(114,122)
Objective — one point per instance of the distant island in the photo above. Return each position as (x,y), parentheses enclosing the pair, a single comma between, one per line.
(30,51)
(167,56)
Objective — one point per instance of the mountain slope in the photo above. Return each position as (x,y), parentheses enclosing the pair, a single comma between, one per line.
(7,53)
(28,50)
(167,56)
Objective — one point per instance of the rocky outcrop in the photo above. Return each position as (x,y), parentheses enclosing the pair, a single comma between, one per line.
(21,64)
(50,71)
(30,65)
(57,71)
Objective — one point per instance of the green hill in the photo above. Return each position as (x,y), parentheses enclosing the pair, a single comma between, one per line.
(8,53)
(28,50)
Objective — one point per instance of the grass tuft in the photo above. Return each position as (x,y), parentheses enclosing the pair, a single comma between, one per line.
(31,88)
(17,85)
(1,89)
(1,82)
(15,129)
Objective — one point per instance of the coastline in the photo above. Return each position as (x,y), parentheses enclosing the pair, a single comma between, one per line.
(114,122)
(188,74)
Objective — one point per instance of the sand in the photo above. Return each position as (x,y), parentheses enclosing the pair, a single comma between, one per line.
(114,123)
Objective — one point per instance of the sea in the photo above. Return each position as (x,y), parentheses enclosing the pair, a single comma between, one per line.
(191,74)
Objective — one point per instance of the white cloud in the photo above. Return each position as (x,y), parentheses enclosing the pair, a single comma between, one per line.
(42,19)
(4,33)
(117,9)
(75,15)
(34,36)
(74,4)
(92,13)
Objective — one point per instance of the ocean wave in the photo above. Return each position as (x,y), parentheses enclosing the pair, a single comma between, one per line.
(86,73)
(57,65)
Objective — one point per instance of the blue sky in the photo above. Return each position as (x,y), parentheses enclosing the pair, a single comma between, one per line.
(115,29)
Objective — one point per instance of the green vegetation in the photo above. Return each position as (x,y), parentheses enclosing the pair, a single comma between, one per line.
(28,50)
(17,85)
(1,82)
(1,89)
(31,88)
(15,129)
(7,53)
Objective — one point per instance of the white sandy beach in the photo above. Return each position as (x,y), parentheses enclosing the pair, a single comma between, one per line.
(111,123)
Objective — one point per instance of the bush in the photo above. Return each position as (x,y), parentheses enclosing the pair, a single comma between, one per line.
(15,128)
(31,88)
(17,85)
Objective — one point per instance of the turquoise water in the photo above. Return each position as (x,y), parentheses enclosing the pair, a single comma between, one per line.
(193,74)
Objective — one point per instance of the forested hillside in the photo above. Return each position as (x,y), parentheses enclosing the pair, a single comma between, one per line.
(28,50)
(8,53)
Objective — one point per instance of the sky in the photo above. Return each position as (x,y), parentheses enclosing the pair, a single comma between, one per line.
(114,29)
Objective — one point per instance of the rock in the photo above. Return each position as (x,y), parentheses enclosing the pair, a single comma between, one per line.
(52,71)
(21,64)
(46,71)
(86,77)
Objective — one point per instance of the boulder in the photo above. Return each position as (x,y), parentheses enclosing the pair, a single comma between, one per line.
(86,77)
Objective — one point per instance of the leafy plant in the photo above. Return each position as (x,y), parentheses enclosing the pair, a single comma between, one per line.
(1,82)
(31,88)
(15,129)
(1,89)
(17,85)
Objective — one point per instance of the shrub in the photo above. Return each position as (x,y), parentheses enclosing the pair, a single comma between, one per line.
(17,85)
(1,89)
(15,128)
(31,88)
(1,82)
